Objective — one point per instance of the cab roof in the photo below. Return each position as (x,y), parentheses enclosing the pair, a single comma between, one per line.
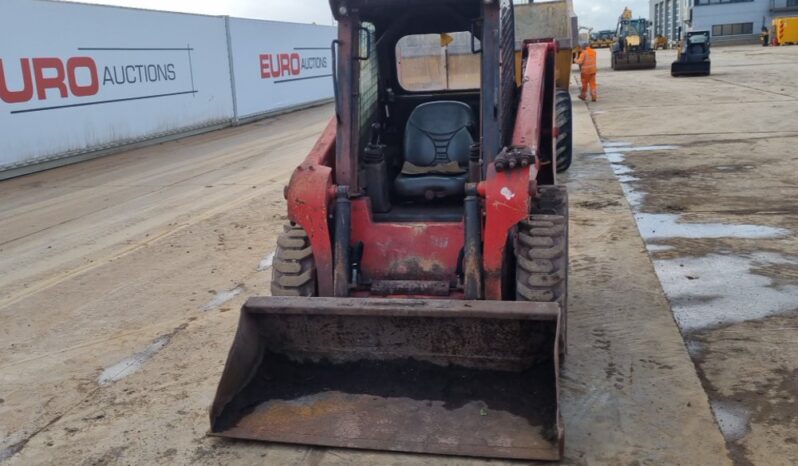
(427,15)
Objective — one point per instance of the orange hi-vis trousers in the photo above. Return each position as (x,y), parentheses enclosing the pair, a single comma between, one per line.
(589,80)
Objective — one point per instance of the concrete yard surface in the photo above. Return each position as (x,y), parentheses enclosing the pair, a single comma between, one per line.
(710,168)
(121,280)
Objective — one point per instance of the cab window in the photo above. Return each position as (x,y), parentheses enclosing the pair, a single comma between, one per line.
(438,62)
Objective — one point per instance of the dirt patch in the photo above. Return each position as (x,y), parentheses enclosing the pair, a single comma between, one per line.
(749,379)
(597,205)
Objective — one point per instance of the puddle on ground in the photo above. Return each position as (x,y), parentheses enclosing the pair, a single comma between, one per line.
(616,144)
(614,152)
(627,178)
(133,363)
(715,290)
(222,297)
(628,148)
(695,349)
(616,159)
(266,263)
(718,289)
(621,170)
(732,419)
(660,226)
(659,247)
(633,196)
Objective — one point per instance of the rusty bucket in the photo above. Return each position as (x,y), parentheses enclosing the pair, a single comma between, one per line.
(466,378)
(636,60)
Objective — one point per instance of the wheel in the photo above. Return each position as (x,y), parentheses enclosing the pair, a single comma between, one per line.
(565,127)
(542,254)
(293,269)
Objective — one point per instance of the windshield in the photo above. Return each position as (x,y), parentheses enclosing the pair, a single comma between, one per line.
(698,39)
(436,62)
(629,29)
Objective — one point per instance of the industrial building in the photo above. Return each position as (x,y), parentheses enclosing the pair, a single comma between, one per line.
(729,21)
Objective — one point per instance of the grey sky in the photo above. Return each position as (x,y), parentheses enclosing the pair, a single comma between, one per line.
(599,15)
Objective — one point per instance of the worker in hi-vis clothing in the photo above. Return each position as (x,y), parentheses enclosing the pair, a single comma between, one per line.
(587,65)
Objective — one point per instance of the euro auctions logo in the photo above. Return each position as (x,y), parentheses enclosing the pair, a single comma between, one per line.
(279,65)
(40,74)
(103,76)
(301,64)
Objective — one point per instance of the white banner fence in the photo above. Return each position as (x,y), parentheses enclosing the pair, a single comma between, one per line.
(78,80)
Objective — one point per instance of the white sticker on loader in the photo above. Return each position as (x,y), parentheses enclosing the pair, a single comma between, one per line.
(507,193)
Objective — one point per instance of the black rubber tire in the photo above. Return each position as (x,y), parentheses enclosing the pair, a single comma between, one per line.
(565,127)
(293,269)
(542,254)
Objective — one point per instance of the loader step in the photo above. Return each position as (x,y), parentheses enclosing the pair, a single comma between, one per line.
(409,287)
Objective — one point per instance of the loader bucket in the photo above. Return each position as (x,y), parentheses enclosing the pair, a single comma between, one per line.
(465,378)
(634,61)
(679,68)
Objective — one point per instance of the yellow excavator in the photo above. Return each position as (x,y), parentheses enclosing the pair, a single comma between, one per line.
(602,39)
(632,49)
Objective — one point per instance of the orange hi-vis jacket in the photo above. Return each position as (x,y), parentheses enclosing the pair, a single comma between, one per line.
(587,61)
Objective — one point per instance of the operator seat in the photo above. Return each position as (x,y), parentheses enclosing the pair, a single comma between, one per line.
(436,149)
(697,52)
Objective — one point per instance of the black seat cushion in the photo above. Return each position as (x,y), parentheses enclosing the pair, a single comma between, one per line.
(437,133)
(430,187)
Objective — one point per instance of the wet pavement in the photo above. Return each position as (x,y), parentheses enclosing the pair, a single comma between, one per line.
(709,168)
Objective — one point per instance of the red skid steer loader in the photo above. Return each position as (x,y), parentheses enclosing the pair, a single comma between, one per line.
(419,291)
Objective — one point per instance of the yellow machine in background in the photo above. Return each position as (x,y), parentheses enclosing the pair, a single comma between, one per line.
(545,21)
(594,40)
(785,31)
(582,38)
(627,14)
(632,49)
(660,42)
(602,39)
(552,20)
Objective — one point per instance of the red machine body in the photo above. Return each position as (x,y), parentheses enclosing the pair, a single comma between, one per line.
(419,291)
(430,250)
